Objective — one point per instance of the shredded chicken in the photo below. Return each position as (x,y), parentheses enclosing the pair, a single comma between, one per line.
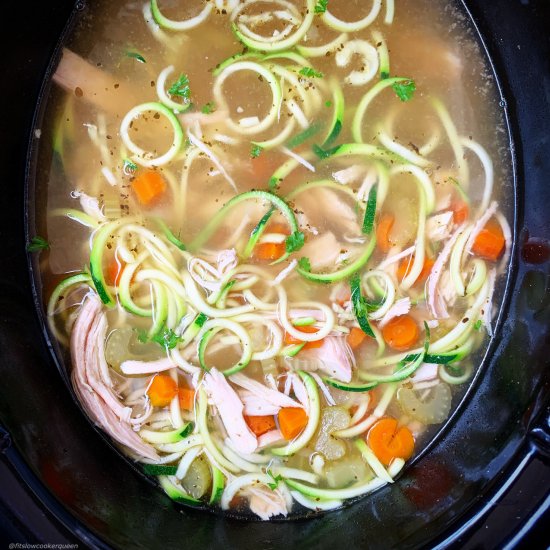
(89,380)
(334,357)
(77,76)
(265,502)
(230,408)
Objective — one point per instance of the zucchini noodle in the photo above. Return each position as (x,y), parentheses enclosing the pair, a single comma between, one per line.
(140,155)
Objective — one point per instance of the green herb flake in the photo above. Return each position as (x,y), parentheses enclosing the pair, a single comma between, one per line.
(255,151)
(142,336)
(370,211)
(295,241)
(129,167)
(275,479)
(181,88)
(309,72)
(37,244)
(321,6)
(360,305)
(200,319)
(405,89)
(167,338)
(328,103)
(137,56)
(304,264)
(478,324)
(208,108)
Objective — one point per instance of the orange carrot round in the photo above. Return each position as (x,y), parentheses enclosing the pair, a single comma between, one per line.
(186,398)
(401,333)
(162,390)
(406,264)
(291,340)
(387,441)
(148,187)
(269,251)
(460,212)
(489,242)
(114,271)
(356,337)
(292,420)
(383,228)
(260,424)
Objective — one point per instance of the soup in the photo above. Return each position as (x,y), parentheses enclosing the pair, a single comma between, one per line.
(273,239)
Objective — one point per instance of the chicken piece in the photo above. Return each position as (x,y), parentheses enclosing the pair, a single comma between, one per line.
(438,227)
(322,251)
(331,206)
(265,502)
(260,400)
(334,357)
(92,383)
(76,75)
(230,408)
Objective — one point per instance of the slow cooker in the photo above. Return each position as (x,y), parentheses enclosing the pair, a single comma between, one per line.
(485,482)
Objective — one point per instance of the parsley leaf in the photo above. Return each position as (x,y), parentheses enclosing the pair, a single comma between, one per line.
(404,90)
(295,241)
(304,264)
(255,151)
(181,88)
(310,73)
(167,338)
(477,324)
(275,479)
(208,108)
(321,6)
(360,305)
(129,167)
(137,56)
(37,244)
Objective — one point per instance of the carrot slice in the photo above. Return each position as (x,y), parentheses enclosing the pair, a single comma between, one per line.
(356,337)
(260,424)
(406,264)
(383,228)
(148,187)
(291,340)
(114,271)
(460,212)
(269,251)
(401,333)
(292,420)
(162,390)
(186,398)
(489,242)
(387,441)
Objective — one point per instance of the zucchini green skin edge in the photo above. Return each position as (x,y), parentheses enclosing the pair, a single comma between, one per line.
(342,273)
(256,234)
(338,116)
(397,376)
(276,201)
(175,493)
(96,263)
(350,387)
(313,422)
(218,485)
(159,470)
(172,436)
